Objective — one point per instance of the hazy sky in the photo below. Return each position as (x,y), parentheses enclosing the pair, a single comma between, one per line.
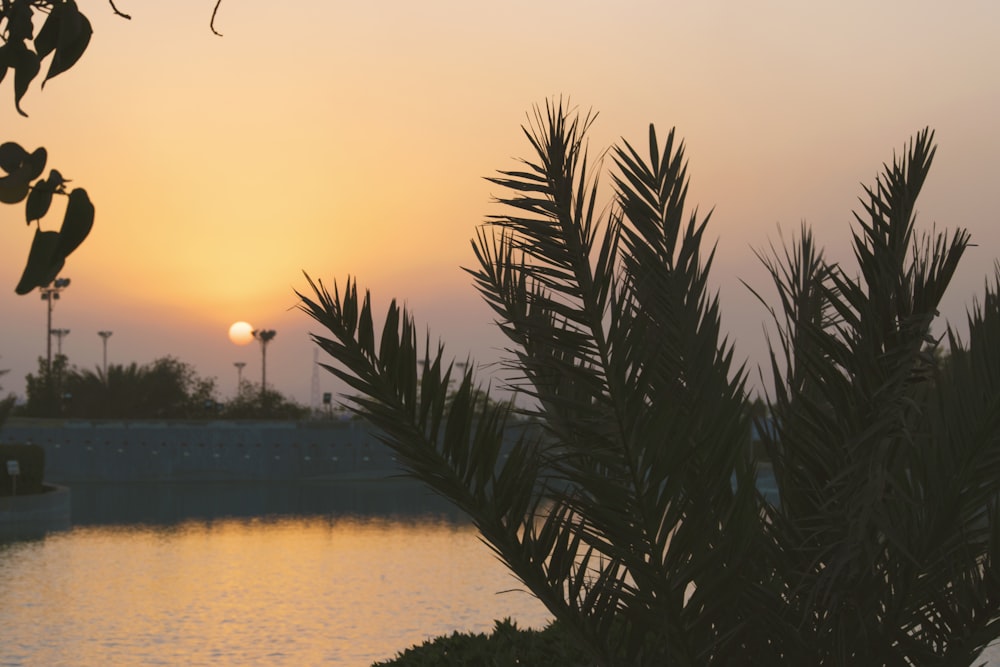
(343,138)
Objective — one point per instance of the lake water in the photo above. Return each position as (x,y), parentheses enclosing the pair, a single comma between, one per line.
(277,574)
(251,574)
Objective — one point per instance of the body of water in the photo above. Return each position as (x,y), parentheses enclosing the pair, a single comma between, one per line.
(343,573)
(276,574)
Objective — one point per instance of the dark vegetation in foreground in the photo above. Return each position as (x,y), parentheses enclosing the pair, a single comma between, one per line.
(506,646)
(634,518)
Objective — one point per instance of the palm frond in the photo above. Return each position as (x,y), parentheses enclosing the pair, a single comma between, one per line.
(627,502)
(881,535)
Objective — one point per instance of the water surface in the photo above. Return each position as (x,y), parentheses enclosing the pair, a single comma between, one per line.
(168,574)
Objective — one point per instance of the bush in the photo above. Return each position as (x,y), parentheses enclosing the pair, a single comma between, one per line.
(31,460)
(507,646)
(251,403)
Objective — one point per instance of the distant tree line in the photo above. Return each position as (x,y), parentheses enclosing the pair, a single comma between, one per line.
(166,388)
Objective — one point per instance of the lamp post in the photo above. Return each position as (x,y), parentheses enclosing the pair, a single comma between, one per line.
(105,335)
(264,336)
(59,333)
(239,375)
(50,293)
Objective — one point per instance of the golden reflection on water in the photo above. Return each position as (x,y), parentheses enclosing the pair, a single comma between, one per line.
(298,591)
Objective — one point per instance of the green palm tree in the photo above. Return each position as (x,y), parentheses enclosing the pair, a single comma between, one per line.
(630,509)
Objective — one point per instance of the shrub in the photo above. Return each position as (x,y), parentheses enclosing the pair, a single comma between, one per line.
(506,646)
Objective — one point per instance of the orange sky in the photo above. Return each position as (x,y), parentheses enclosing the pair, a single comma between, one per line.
(353,138)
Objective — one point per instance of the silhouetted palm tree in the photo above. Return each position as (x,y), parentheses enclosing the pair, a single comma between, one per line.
(632,513)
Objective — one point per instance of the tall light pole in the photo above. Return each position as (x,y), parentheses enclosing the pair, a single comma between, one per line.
(59,333)
(264,336)
(239,375)
(50,293)
(105,335)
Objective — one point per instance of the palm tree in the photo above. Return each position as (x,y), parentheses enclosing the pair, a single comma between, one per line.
(887,467)
(632,512)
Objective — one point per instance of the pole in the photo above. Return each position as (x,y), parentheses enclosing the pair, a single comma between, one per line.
(50,292)
(48,336)
(239,375)
(105,335)
(59,334)
(264,336)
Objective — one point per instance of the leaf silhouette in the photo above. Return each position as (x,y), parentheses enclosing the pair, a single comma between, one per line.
(39,201)
(22,168)
(77,223)
(44,262)
(12,156)
(72,37)
(26,66)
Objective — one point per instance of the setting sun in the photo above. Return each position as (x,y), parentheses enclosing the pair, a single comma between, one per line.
(241,333)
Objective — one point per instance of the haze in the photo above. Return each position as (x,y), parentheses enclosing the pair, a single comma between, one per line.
(345,138)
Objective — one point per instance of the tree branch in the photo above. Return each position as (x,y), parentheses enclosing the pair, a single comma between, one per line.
(119,12)
(211,24)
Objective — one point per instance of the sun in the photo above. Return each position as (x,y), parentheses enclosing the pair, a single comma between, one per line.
(241,333)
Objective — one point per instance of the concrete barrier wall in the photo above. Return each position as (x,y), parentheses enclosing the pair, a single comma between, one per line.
(51,507)
(85,451)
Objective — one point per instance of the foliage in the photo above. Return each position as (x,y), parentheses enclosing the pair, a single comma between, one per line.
(49,249)
(44,390)
(886,460)
(32,31)
(634,517)
(64,35)
(506,646)
(62,38)
(166,388)
(251,403)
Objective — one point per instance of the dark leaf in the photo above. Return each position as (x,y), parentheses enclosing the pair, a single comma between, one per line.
(74,36)
(57,181)
(77,223)
(47,39)
(5,59)
(26,68)
(44,262)
(38,201)
(35,163)
(22,169)
(13,188)
(12,156)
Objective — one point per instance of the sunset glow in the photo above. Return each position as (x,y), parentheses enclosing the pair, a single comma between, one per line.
(343,139)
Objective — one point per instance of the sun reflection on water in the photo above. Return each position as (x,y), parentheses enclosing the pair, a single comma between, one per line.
(294,590)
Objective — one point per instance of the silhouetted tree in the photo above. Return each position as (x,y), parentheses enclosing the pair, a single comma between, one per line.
(634,516)
(44,389)
(164,389)
(252,403)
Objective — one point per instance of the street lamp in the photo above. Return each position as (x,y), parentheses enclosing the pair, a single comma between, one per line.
(105,335)
(239,375)
(264,336)
(59,333)
(50,293)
